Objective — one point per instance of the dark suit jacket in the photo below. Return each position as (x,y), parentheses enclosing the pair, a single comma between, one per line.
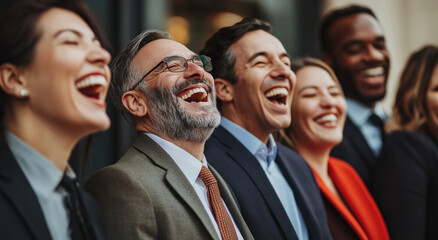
(21,216)
(259,204)
(406,185)
(145,195)
(355,150)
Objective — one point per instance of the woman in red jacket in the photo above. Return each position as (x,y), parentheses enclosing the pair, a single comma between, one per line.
(318,116)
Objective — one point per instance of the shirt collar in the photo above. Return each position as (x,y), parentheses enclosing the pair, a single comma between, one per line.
(43,176)
(360,113)
(267,153)
(189,165)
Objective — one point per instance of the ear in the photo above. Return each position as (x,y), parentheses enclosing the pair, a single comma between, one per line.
(135,102)
(327,59)
(12,82)
(224,89)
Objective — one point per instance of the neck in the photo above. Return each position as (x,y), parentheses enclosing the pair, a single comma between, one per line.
(196,149)
(250,126)
(317,158)
(53,142)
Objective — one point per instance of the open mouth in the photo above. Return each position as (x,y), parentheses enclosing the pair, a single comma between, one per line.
(373,72)
(92,86)
(194,95)
(277,94)
(329,118)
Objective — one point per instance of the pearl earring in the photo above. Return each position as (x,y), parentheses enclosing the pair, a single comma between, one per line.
(24,92)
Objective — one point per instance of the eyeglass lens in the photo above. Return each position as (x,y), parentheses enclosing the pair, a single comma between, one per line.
(179,64)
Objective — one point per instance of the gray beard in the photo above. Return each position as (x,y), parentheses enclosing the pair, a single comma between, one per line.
(169,118)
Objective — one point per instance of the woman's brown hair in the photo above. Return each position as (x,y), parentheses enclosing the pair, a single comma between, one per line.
(409,111)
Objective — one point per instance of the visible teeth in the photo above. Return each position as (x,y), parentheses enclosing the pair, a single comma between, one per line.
(91,80)
(327,118)
(276,91)
(374,71)
(193,91)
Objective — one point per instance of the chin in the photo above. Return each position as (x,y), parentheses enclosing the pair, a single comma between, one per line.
(96,125)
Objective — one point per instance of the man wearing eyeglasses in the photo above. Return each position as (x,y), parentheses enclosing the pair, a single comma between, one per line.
(162,187)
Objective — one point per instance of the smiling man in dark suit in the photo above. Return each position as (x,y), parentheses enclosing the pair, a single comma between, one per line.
(162,187)
(275,188)
(353,44)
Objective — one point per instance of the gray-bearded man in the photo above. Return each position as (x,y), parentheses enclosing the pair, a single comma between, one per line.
(158,189)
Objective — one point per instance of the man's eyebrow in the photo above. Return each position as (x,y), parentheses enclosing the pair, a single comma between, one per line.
(352,42)
(380,38)
(265,54)
(256,55)
(285,54)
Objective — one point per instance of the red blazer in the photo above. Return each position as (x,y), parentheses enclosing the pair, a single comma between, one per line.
(362,212)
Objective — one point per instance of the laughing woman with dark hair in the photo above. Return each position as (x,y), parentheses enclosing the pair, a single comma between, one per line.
(54,77)
(318,117)
(406,180)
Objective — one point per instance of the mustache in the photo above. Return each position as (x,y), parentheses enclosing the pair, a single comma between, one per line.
(180,86)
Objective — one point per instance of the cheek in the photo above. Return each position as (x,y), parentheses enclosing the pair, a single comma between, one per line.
(301,114)
(342,105)
(432,107)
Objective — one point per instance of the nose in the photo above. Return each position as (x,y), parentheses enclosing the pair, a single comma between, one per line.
(327,100)
(193,71)
(282,71)
(97,54)
(373,54)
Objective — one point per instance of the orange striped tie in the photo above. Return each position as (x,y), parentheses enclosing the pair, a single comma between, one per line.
(217,207)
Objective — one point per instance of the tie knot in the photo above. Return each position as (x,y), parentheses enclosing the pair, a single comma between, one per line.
(206,176)
(67,183)
(376,120)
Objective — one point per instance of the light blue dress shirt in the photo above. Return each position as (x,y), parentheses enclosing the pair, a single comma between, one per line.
(360,116)
(44,178)
(266,155)
(191,167)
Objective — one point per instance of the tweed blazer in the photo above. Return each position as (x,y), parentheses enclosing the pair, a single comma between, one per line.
(145,195)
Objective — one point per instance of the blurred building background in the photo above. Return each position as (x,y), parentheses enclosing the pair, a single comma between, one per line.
(409,24)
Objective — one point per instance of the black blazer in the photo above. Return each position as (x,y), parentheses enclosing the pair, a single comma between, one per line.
(21,216)
(260,206)
(355,150)
(406,185)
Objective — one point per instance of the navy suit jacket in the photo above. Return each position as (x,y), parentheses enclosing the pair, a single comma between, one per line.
(21,216)
(260,206)
(355,150)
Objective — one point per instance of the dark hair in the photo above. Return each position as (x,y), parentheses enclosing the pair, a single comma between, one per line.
(410,111)
(217,48)
(329,19)
(19,34)
(124,75)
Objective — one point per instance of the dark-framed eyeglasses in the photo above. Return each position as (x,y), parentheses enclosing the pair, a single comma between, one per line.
(180,64)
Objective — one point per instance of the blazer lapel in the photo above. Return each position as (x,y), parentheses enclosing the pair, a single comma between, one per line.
(250,165)
(176,179)
(16,187)
(300,195)
(357,139)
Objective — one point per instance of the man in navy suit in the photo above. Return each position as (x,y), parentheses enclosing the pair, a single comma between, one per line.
(353,44)
(274,187)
